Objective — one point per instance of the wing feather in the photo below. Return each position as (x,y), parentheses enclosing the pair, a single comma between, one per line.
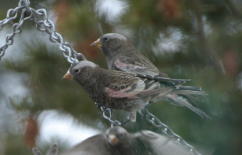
(136,67)
(125,90)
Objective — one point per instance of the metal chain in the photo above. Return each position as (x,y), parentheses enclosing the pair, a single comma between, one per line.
(46,25)
(107,114)
(43,23)
(12,14)
(151,118)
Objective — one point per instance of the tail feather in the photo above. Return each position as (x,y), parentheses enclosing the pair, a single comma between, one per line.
(190,92)
(170,80)
(178,94)
(193,88)
(182,101)
(164,80)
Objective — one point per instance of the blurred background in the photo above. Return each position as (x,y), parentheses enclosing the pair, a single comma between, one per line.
(198,40)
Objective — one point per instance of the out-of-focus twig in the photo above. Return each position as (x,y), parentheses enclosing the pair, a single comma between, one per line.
(233,8)
(210,56)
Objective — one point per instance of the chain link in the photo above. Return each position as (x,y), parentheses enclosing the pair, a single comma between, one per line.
(46,25)
(43,23)
(16,27)
(151,118)
(11,15)
(24,3)
(107,114)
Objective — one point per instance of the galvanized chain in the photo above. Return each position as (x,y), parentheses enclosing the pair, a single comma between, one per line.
(43,23)
(107,114)
(151,118)
(46,25)
(21,12)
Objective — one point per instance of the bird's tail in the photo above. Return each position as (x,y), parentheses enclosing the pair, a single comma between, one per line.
(181,95)
(189,90)
(181,98)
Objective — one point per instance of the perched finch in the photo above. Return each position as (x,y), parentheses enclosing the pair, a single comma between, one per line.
(115,141)
(119,90)
(121,55)
(118,141)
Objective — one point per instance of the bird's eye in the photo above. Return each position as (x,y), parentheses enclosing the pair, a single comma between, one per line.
(76,70)
(105,39)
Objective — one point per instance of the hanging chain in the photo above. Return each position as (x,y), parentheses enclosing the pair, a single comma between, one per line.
(151,118)
(46,25)
(107,114)
(13,14)
(43,23)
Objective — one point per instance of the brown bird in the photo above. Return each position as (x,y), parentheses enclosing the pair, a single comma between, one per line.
(118,141)
(117,89)
(121,55)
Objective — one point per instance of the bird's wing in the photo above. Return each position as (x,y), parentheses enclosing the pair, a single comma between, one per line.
(144,69)
(124,88)
(135,65)
(137,94)
(124,85)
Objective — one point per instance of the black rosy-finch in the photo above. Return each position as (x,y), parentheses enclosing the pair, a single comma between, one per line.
(121,55)
(115,141)
(118,141)
(118,89)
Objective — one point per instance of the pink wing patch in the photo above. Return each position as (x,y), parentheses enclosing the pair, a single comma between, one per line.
(123,66)
(120,94)
(120,64)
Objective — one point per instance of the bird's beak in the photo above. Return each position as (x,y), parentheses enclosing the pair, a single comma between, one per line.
(113,139)
(68,76)
(97,43)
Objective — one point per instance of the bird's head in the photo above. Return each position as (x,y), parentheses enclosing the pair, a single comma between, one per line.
(117,135)
(78,68)
(111,43)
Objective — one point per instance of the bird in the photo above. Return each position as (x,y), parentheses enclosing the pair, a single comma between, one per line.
(113,141)
(115,89)
(118,141)
(122,55)
(94,145)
